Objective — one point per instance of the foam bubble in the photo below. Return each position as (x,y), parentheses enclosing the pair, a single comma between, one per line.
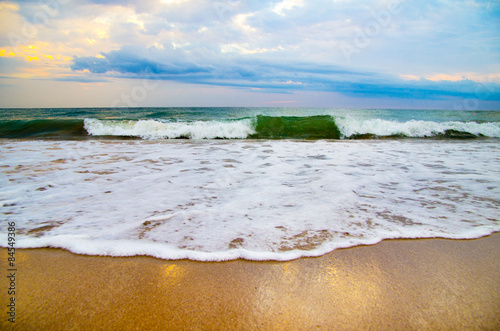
(244,128)
(153,129)
(350,126)
(259,200)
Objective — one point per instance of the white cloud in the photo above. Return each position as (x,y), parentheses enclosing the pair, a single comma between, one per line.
(240,21)
(286,5)
(246,49)
(434,41)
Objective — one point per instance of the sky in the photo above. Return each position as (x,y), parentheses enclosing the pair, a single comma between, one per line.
(439,54)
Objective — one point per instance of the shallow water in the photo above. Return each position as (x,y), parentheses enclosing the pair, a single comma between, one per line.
(253,199)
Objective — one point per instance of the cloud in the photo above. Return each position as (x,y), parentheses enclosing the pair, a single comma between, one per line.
(268,46)
(290,76)
(126,61)
(80,79)
(427,90)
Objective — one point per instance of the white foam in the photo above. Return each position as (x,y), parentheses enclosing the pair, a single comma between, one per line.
(153,129)
(351,126)
(259,200)
(243,128)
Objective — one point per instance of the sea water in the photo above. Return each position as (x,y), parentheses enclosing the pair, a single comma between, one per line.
(253,183)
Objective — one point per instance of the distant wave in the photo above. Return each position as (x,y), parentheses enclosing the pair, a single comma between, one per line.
(258,127)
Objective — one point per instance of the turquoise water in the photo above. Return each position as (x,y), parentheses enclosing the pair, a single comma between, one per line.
(211,113)
(240,123)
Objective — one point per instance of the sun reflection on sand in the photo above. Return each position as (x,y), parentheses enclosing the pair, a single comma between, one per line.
(356,287)
(395,285)
(172,274)
(302,291)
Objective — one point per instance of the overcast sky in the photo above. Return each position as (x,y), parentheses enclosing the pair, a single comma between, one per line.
(291,53)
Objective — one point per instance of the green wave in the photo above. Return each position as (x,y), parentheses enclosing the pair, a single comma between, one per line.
(288,127)
(258,127)
(49,128)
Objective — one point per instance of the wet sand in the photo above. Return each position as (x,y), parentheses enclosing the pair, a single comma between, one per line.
(397,284)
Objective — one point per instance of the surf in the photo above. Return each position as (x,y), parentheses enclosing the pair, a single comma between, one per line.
(291,127)
(315,127)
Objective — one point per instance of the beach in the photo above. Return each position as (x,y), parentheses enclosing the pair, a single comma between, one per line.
(249,165)
(251,219)
(396,284)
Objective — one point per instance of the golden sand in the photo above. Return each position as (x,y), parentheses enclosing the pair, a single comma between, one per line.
(397,284)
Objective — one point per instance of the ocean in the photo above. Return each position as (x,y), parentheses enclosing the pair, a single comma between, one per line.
(214,184)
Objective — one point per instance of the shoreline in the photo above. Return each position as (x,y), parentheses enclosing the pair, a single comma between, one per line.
(395,284)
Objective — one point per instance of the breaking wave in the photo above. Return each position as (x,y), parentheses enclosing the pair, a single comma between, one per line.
(258,127)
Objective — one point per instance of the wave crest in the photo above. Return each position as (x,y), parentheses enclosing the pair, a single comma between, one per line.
(352,128)
(154,129)
(258,127)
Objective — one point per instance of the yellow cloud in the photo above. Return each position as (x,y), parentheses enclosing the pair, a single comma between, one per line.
(34,52)
(139,23)
(32,58)
(42,59)
(9,6)
(4,53)
(29,73)
(453,78)
(409,77)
